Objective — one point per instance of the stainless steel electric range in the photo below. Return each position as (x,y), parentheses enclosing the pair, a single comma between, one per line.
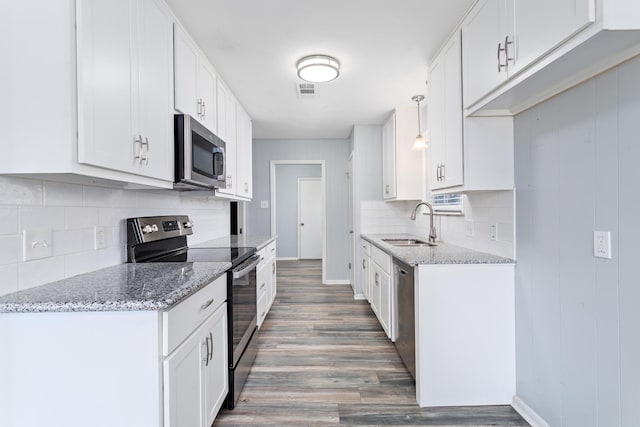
(164,239)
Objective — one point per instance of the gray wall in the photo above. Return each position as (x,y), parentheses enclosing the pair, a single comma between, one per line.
(287,205)
(335,152)
(578,317)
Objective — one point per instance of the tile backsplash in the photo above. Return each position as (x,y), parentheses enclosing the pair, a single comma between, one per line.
(72,211)
(481,209)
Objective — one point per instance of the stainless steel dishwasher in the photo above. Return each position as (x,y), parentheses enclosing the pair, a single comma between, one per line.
(405,314)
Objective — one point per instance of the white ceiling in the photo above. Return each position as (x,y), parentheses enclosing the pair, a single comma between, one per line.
(384,46)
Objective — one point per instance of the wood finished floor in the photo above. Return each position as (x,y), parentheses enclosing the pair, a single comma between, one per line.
(324,360)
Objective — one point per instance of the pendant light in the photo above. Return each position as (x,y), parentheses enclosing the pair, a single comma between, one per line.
(420,142)
(318,68)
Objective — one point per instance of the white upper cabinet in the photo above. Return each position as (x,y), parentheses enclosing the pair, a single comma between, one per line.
(484,28)
(501,37)
(486,162)
(401,166)
(124,116)
(517,53)
(244,153)
(195,81)
(226,110)
(445,116)
(389,159)
(541,25)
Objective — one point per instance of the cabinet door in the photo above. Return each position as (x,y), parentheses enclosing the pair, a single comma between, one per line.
(185,73)
(226,112)
(216,378)
(106,131)
(544,24)
(452,172)
(207,95)
(153,106)
(386,300)
(183,383)
(366,280)
(273,280)
(436,121)
(482,30)
(389,158)
(262,290)
(244,154)
(376,277)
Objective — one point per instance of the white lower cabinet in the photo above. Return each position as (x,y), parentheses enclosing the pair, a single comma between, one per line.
(195,375)
(152,368)
(465,334)
(266,281)
(383,292)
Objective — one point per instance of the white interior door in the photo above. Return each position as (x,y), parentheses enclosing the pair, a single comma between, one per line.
(310,212)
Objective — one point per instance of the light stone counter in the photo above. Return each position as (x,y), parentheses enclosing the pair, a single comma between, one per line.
(443,253)
(124,287)
(234,241)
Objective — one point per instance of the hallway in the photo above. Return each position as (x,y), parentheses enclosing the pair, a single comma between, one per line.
(324,360)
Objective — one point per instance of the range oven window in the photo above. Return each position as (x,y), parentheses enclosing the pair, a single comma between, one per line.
(244,309)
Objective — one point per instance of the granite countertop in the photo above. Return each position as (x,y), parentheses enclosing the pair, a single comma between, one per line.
(241,241)
(124,287)
(444,253)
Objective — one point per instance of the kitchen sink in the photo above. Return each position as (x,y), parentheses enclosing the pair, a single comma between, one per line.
(408,242)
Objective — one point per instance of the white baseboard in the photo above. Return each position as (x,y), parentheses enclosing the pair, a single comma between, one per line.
(359,297)
(527,413)
(337,282)
(287,258)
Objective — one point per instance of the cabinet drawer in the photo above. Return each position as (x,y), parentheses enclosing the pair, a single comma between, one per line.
(262,280)
(381,258)
(263,308)
(179,322)
(366,248)
(270,250)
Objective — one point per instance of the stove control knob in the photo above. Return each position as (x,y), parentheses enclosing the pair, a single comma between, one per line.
(147,229)
(188,224)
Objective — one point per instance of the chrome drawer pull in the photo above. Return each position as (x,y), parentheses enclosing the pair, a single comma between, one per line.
(207,304)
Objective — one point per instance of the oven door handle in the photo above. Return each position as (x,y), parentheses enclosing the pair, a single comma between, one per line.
(245,269)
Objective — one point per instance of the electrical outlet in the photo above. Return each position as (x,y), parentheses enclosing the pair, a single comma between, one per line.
(99,237)
(469,228)
(264,204)
(493,232)
(37,244)
(602,244)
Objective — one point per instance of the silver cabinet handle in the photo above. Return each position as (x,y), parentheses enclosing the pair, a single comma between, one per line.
(138,154)
(229,181)
(246,187)
(207,304)
(204,109)
(263,285)
(206,359)
(386,189)
(302,224)
(444,172)
(145,144)
(500,65)
(211,340)
(273,268)
(506,51)
(199,109)
(364,264)
(377,279)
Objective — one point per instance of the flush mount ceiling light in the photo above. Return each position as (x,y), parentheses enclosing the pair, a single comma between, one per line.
(421,142)
(318,68)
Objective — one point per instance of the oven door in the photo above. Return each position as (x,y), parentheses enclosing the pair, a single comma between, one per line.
(243,316)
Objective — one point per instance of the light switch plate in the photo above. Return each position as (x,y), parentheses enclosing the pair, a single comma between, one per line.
(493,232)
(37,244)
(602,244)
(469,228)
(99,237)
(264,204)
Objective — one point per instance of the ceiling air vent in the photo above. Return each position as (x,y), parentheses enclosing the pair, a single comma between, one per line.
(306,90)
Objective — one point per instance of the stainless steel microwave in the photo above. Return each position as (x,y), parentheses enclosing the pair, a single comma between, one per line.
(199,156)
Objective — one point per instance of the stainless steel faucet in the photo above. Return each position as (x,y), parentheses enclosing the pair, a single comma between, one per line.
(432,229)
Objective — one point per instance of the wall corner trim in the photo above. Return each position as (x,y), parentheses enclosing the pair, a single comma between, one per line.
(528,414)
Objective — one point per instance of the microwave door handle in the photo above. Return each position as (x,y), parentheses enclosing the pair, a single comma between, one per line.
(255,259)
